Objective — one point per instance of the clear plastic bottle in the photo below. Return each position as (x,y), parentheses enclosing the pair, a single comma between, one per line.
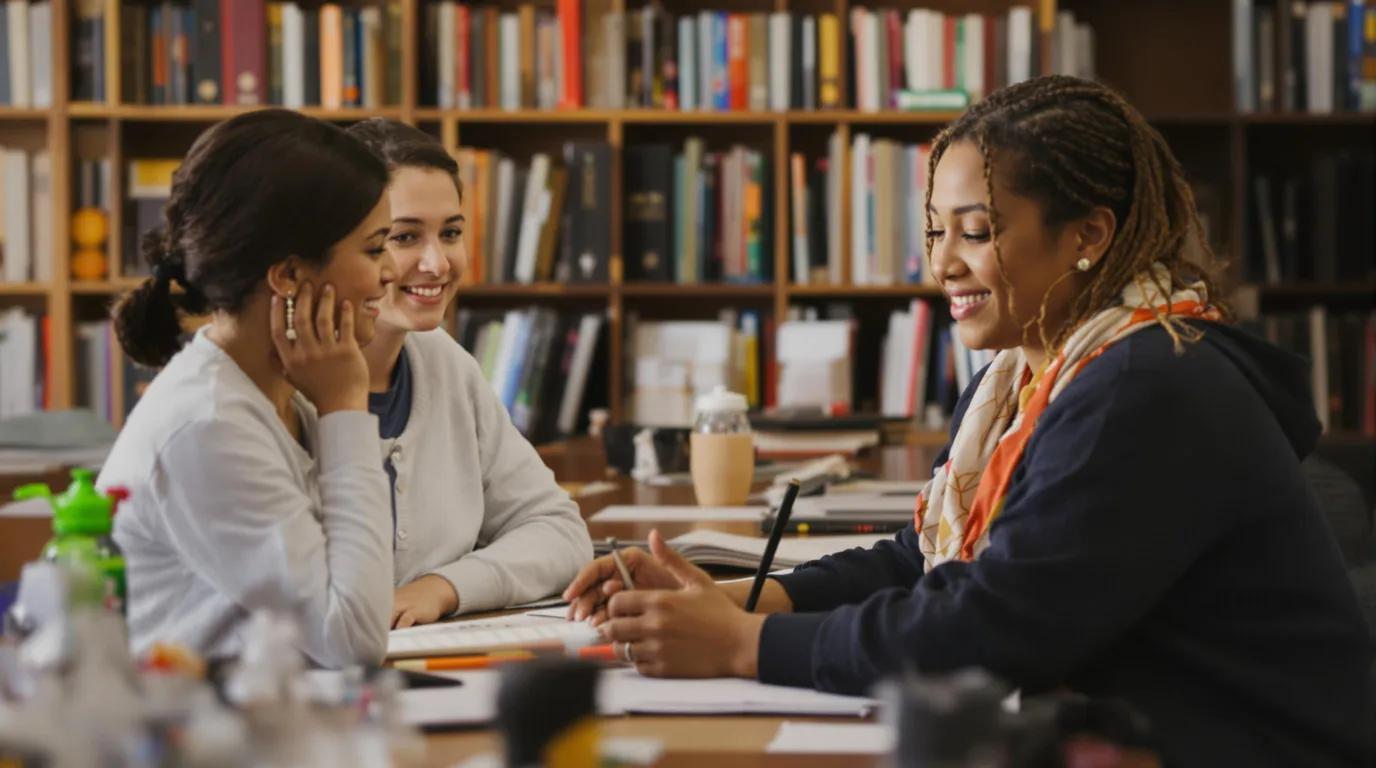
(722,450)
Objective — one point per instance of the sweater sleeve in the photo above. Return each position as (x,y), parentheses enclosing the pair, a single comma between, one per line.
(1085,544)
(533,540)
(241,521)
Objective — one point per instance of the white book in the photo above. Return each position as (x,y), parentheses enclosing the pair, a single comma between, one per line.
(21,83)
(1244,92)
(18,351)
(859,205)
(445,82)
(534,210)
(1019,44)
(1318,356)
(1084,51)
(936,50)
(687,64)
(509,69)
(1065,43)
(809,60)
(912,49)
(95,336)
(915,246)
(506,179)
(506,350)
(780,54)
(588,330)
(41,192)
(962,359)
(836,153)
(871,29)
(1319,52)
(370,19)
(293,56)
(974,56)
(898,347)
(18,255)
(706,61)
(41,53)
(616,59)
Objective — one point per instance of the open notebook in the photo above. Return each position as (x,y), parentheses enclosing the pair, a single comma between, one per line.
(521,631)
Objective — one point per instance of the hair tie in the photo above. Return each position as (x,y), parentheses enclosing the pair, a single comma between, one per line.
(169,270)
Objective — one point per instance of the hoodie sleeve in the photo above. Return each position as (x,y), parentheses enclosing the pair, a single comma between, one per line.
(1077,555)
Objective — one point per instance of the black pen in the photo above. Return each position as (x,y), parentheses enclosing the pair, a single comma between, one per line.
(780,523)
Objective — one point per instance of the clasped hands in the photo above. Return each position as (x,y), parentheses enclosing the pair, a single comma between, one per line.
(677,622)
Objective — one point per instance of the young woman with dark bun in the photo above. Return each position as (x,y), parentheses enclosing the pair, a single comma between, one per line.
(1120,510)
(480,522)
(252,461)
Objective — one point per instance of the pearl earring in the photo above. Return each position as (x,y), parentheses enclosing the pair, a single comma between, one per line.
(291,318)
(1083,265)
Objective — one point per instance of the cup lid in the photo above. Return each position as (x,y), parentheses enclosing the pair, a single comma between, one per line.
(722,400)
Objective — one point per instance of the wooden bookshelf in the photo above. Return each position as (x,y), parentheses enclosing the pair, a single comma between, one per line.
(1170,57)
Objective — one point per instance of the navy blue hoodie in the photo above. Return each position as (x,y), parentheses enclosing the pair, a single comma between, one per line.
(1157,544)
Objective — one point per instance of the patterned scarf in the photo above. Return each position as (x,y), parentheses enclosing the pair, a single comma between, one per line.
(966,493)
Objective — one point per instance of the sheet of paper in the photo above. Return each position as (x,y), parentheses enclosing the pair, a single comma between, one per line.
(486,635)
(615,750)
(792,551)
(832,738)
(625,514)
(623,690)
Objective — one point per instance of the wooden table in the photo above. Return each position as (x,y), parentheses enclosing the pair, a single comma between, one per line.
(726,741)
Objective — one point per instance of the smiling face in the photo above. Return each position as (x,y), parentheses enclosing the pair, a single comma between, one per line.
(427,243)
(360,269)
(991,313)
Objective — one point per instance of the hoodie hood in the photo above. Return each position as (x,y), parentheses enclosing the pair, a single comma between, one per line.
(1281,378)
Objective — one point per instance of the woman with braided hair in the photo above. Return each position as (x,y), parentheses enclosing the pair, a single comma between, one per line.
(253,466)
(1120,509)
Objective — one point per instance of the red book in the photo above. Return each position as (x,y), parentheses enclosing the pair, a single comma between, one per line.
(948,46)
(243,51)
(738,59)
(993,78)
(570,47)
(462,84)
(894,29)
(771,366)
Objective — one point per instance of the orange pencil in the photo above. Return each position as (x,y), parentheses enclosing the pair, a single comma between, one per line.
(599,653)
(456,663)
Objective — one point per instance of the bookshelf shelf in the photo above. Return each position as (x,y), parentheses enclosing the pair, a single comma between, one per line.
(24,289)
(866,291)
(700,291)
(537,290)
(1309,119)
(209,113)
(16,114)
(1319,290)
(105,287)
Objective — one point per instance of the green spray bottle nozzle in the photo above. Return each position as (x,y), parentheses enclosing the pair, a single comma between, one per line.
(81,509)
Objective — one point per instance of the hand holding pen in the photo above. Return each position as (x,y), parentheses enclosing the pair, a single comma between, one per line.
(590,590)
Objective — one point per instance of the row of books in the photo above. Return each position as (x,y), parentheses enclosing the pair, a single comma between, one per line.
(699,215)
(538,362)
(1302,56)
(1313,221)
(245,52)
(1342,350)
(546,219)
(592,55)
(26,56)
(23,362)
(888,221)
(26,224)
(917,350)
(930,60)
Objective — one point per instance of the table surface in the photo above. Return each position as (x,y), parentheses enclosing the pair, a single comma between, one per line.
(727,741)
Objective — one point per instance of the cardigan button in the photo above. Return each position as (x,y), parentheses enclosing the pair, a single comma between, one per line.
(401,534)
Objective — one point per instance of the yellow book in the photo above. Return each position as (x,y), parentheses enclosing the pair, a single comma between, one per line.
(151,177)
(829,61)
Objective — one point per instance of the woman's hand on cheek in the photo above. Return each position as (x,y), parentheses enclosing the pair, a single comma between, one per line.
(423,601)
(693,631)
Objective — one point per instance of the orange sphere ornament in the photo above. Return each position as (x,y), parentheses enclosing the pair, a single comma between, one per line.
(90,228)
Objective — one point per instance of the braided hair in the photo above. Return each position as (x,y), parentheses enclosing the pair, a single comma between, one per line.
(1073,145)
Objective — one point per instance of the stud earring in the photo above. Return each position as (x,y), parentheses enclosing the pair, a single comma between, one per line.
(291,318)
(1083,265)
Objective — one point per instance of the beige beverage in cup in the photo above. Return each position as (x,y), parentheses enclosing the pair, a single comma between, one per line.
(722,450)
(723,466)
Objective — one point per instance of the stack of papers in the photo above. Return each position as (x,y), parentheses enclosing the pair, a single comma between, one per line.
(522,631)
(832,738)
(705,547)
(627,514)
(625,691)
